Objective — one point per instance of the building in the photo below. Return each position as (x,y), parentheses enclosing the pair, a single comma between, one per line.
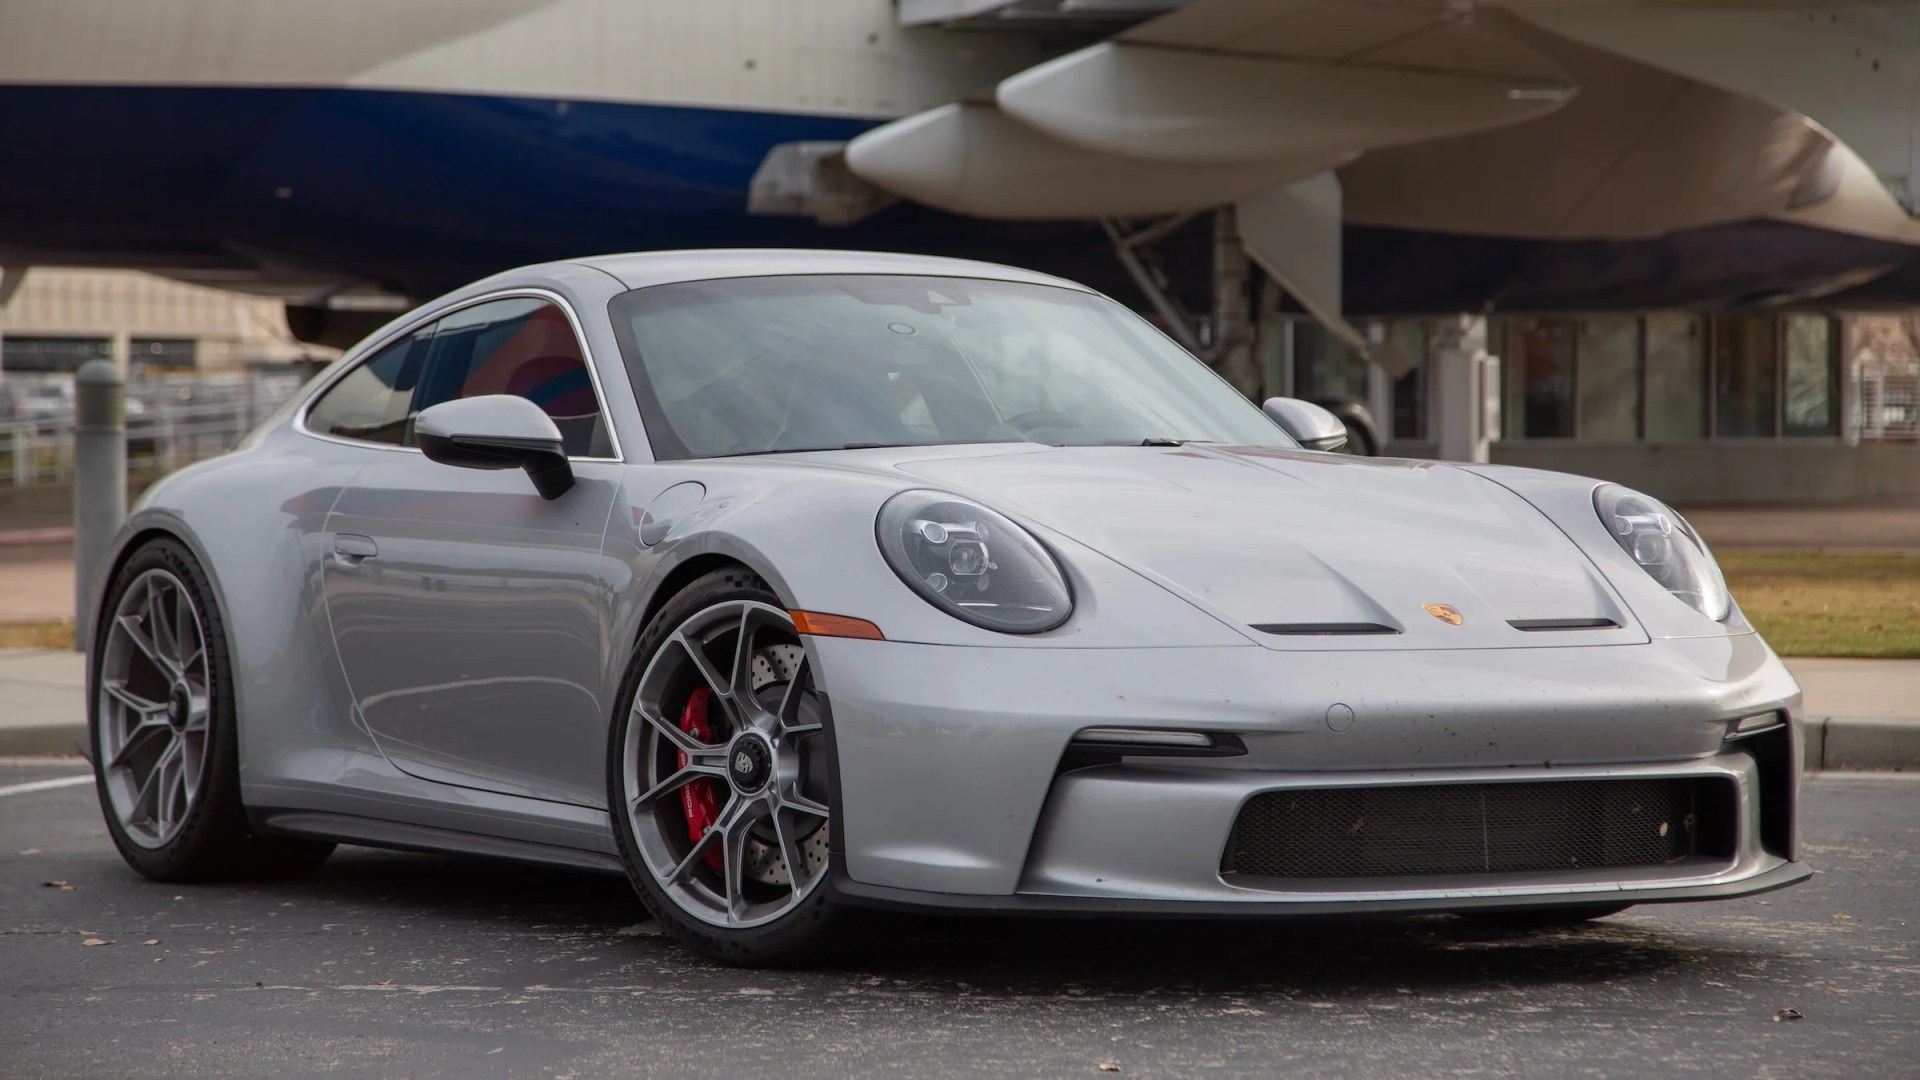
(1694,407)
(55,319)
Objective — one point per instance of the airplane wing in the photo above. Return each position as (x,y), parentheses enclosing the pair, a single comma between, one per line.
(1549,119)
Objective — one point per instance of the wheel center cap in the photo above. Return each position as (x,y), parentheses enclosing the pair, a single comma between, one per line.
(179,705)
(749,763)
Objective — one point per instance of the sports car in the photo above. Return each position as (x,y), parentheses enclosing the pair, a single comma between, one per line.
(798,584)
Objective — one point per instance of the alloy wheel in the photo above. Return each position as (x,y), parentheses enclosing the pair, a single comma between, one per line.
(154,703)
(723,767)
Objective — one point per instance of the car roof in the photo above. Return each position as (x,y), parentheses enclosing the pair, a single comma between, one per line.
(639,270)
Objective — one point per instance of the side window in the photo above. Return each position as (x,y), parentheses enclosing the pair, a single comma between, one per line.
(521,346)
(373,401)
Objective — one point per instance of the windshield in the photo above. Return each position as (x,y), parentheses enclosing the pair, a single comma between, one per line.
(784,364)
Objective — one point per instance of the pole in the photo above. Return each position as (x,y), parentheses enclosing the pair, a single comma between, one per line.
(99,480)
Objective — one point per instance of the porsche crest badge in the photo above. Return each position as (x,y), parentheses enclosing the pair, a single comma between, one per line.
(1446,613)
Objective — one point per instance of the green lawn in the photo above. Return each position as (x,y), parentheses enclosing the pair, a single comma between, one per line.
(1830,605)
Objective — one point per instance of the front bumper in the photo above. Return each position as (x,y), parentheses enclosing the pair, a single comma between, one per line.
(950,791)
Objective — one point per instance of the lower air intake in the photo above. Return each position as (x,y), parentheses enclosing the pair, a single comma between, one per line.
(1500,828)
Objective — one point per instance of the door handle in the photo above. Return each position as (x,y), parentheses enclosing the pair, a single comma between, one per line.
(353,549)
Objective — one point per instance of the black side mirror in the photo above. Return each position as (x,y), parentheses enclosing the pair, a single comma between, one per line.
(497,431)
(1310,425)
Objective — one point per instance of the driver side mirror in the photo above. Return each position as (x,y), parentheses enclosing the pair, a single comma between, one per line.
(497,431)
(1310,425)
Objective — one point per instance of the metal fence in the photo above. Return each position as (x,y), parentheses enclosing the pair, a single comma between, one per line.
(170,422)
(1888,405)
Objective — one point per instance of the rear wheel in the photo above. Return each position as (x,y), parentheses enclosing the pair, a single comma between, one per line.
(718,778)
(165,746)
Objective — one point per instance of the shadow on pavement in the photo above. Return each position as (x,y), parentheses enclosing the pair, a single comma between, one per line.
(1045,957)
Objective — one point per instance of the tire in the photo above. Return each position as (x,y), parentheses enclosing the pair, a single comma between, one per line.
(1543,918)
(745,771)
(164,733)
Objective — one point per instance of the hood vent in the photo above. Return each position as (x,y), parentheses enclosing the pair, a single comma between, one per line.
(1538,625)
(1325,629)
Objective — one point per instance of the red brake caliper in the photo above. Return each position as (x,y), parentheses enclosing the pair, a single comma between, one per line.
(700,799)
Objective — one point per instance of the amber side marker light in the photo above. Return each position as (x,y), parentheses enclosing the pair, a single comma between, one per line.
(813,622)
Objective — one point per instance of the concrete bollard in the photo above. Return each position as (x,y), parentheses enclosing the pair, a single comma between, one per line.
(99,480)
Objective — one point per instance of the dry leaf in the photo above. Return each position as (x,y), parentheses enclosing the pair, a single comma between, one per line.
(1842,915)
(1788,1014)
(1837,990)
(61,885)
(384,982)
(151,941)
(96,941)
(1108,1066)
(31,851)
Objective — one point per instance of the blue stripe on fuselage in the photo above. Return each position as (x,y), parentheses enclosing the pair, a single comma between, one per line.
(421,190)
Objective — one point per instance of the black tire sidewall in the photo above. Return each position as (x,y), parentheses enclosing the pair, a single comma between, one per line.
(215,842)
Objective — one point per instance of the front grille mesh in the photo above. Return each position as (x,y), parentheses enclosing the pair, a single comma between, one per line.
(1430,829)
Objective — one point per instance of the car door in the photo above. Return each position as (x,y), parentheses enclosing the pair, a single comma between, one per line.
(469,614)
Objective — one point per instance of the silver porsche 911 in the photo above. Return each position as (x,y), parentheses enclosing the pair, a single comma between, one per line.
(793,584)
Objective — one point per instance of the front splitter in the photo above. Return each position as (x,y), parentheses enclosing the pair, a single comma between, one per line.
(1029,904)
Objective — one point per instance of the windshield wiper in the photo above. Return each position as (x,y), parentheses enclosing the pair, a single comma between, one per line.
(1151,440)
(818,449)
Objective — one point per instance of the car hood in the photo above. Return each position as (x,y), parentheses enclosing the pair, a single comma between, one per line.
(1310,550)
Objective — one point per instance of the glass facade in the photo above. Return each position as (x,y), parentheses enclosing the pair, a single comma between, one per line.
(1746,376)
(1323,366)
(19,353)
(1607,375)
(1661,377)
(1670,376)
(1410,390)
(1538,362)
(1676,377)
(1812,381)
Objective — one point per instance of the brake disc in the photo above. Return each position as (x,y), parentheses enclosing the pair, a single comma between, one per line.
(773,669)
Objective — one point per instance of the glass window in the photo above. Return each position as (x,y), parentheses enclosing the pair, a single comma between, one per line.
(524,347)
(1609,378)
(373,402)
(1410,390)
(1745,376)
(1539,371)
(817,362)
(1676,378)
(1813,377)
(1324,368)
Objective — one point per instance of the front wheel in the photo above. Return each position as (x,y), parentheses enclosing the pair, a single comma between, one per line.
(717,778)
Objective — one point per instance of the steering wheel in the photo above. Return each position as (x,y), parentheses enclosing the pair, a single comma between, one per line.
(1038,418)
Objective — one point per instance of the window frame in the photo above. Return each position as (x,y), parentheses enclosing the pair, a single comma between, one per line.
(374,346)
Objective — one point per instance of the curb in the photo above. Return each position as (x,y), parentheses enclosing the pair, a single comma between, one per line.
(1840,744)
(36,739)
(36,537)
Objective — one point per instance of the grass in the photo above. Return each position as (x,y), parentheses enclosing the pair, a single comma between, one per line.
(1830,605)
(41,635)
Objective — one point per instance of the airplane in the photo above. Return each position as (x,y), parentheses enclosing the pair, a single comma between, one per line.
(1371,156)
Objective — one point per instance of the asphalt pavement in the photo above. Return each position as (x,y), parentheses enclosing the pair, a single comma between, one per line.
(387,964)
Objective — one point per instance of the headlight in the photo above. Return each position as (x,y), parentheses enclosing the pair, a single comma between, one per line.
(973,563)
(1665,546)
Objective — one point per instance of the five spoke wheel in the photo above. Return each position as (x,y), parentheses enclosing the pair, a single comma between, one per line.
(153,707)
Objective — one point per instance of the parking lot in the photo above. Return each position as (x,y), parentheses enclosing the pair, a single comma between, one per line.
(394,964)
